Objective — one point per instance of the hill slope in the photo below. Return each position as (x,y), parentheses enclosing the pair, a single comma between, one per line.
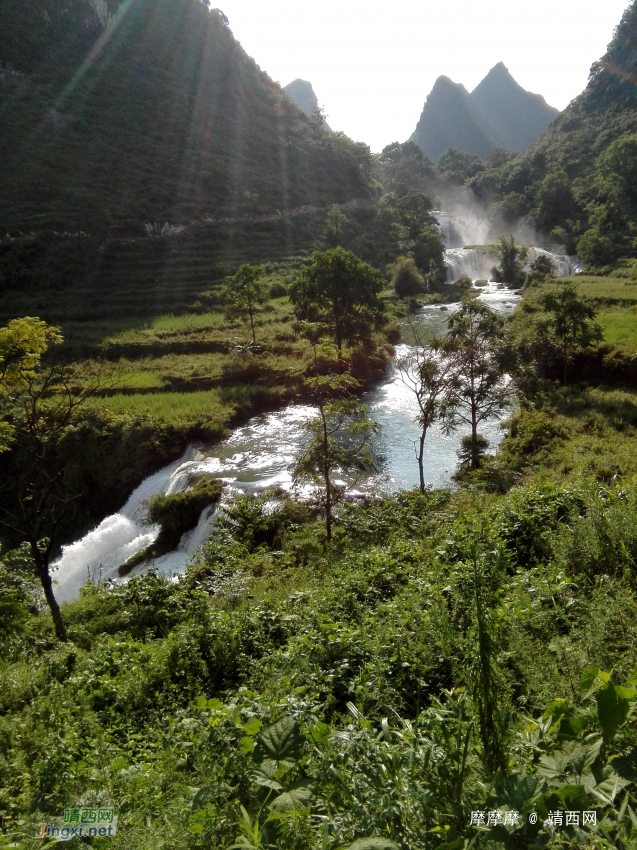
(146,110)
(509,113)
(579,179)
(498,113)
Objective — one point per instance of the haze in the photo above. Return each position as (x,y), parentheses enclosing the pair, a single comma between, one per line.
(372,64)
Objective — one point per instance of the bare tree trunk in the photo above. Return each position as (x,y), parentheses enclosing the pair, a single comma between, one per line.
(328,483)
(421,452)
(254,339)
(47,586)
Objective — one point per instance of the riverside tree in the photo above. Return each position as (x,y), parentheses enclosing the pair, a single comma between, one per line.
(37,486)
(338,438)
(479,387)
(22,344)
(246,295)
(340,293)
(426,372)
(512,258)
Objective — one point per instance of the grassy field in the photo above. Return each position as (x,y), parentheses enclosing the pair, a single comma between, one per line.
(606,291)
(195,408)
(620,327)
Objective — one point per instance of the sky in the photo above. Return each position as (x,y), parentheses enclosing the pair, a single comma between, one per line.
(372,63)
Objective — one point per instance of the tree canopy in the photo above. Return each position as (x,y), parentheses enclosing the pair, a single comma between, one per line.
(246,295)
(341,293)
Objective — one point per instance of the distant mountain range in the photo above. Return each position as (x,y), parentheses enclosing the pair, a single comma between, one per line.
(497,113)
(302,93)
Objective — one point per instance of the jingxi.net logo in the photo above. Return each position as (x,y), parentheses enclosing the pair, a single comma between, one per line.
(81,823)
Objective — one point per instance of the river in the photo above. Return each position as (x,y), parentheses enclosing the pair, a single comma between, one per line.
(257,456)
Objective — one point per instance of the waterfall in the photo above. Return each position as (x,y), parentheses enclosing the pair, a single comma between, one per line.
(459,231)
(566,265)
(472,262)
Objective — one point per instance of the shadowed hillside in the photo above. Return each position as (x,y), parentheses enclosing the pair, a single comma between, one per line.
(447,122)
(149,109)
(498,113)
(512,115)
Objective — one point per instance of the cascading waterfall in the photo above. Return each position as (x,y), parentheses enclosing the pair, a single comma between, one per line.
(460,231)
(472,262)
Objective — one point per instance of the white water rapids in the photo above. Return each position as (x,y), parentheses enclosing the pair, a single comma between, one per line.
(476,262)
(258,455)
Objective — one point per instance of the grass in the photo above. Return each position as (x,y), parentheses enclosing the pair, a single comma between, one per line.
(140,379)
(177,408)
(605,291)
(168,324)
(620,327)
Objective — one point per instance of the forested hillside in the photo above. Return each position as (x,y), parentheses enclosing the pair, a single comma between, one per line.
(121,113)
(578,181)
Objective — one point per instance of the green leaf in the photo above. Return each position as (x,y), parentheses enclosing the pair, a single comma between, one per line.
(358,716)
(591,679)
(612,710)
(296,797)
(626,693)
(572,796)
(264,774)
(373,844)
(215,704)
(282,741)
(320,732)
(607,790)
(246,745)
(253,726)
(202,703)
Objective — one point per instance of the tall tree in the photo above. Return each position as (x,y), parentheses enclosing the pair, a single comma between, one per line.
(480,387)
(246,295)
(338,438)
(37,486)
(568,328)
(426,372)
(342,294)
(22,344)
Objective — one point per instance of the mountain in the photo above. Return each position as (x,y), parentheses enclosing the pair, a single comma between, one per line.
(447,121)
(148,110)
(578,181)
(302,93)
(498,113)
(512,115)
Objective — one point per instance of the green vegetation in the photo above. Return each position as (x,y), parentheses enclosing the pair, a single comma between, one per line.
(341,295)
(200,132)
(338,439)
(285,681)
(246,295)
(478,387)
(512,258)
(326,675)
(176,514)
